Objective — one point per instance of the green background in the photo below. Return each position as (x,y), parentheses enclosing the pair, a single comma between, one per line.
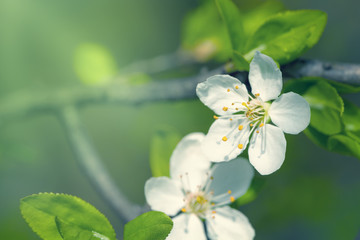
(315,195)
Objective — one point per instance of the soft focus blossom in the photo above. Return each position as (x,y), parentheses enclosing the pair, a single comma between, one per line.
(254,117)
(196,191)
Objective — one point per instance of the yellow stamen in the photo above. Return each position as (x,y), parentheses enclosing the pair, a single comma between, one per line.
(230,119)
(225,109)
(240,146)
(232,103)
(229,191)
(258,94)
(241,127)
(213,211)
(213,217)
(236,109)
(251,124)
(261,124)
(216,117)
(228,89)
(212,178)
(232,199)
(237,87)
(183,210)
(224,138)
(212,204)
(257,131)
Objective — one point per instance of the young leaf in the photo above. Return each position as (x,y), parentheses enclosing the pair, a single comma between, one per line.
(344,88)
(344,145)
(148,226)
(287,35)
(53,216)
(162,145)
(257,16)
(326,108)
(94,64)
(74,232)
(204,34)
(233,23)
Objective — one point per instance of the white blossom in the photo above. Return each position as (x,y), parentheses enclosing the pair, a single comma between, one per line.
(196,191)
(254,118)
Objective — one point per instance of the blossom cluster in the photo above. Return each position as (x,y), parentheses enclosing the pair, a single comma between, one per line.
(206,174)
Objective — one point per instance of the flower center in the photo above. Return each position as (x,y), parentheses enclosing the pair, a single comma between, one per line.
(197,203)
(256,111)
(202,201)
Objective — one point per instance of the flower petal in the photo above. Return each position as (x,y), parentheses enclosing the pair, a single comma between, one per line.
(265,77)
(221,91)
(290,112)
(187,226)
(189,159)
(219,150)
(228,224)
(163,194)
(267,149)
(234,176)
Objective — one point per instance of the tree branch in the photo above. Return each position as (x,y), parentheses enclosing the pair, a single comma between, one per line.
(340,72)
(93,168)
(29,102)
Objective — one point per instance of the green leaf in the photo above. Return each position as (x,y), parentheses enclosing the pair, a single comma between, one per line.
(162,145)
(233,23)
(344,88)
(204,34)
(94,64)
(317,137)
(351,119)
(74,232)
(300,85)
(287,35)
(348,141)
(326,108)
(255,17)
(47,213)
(148,226)
(240,62)
(344,145)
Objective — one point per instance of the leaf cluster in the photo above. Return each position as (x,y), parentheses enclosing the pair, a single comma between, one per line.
(65,217)
(238,33)
(334,123)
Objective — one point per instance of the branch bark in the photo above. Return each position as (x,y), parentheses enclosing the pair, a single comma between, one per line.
(340,72)
(29,102)
(92,166)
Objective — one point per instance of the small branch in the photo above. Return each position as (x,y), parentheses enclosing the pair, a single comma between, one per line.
(29,102)
(25,103)
(160,63)
(340,72)
(93,168)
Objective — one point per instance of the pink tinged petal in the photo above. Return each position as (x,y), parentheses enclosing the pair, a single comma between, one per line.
(265,77)
(187,226)
(228,223)
(267,149)
(219,92)
(225,141)
(290,112)
(163,194)
(189,161)
(230,180)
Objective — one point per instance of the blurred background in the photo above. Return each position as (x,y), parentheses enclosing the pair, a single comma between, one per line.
(315,195)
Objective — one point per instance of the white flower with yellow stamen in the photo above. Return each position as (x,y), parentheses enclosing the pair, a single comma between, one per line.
(245,117)
(196,191)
